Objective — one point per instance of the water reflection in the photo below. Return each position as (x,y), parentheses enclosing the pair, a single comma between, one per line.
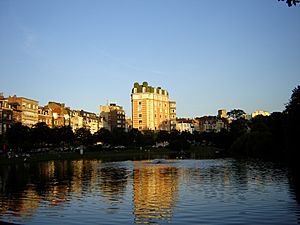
(187,191)
(155,192)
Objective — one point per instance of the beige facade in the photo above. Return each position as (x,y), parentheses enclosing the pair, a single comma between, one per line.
(151,108)
(29,109)
(6,114)
(183,124)
(173,115)
(60,114)
(76,120)
(222,113)
(260,113)
(45,115)
(113,116)
(90,121)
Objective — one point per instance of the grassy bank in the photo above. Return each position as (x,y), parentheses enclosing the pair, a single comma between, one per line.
(116,155)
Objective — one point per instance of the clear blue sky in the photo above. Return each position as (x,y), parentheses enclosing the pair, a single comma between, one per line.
(207,54)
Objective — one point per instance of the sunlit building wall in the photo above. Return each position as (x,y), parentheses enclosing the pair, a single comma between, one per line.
(151,108)
(260,113)
(183,124)
(113,116)
(90,121)
(45,115)
(6,114)
(28,108)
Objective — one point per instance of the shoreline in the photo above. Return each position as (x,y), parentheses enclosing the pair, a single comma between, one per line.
(109,155)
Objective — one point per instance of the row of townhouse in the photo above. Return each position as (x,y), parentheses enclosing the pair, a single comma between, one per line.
(202,124)
(28,112)
(212,123)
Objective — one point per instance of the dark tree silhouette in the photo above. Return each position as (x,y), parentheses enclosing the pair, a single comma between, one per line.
(67,135)
(40,134)
(235,114)
(18,136)
(83,136)
(104,135)
(291,2)
(292,113)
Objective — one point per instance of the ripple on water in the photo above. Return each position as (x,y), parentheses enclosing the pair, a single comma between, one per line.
(223,191)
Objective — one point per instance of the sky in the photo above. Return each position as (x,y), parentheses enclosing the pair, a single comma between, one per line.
(208,55)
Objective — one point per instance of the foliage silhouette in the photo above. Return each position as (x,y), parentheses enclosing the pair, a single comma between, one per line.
(291,2)
(236,114)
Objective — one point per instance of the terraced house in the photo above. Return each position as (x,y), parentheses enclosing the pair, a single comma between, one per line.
(28,110)
(6,114)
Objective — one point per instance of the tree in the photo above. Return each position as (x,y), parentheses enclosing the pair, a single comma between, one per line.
(147,138)
(40,133)
(18,136)
(67,135)
(103,135)
(83,136)
(162,136)
(236,114)
(292,113)
(134,136)
(119,136)
(179,141)
(291,2)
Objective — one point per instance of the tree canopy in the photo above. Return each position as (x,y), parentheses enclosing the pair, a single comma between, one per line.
(236,114)
(291,2)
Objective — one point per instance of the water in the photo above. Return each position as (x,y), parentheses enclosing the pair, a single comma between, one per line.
(222,191)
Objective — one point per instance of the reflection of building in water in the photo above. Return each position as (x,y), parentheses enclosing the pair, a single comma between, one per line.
(21,195)
(155,191)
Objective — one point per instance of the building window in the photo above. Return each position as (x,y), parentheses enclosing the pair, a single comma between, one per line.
(140,115)
(140,121)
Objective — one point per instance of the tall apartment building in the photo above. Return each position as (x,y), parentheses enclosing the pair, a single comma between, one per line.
(151,108)
(45,115)
(60,114)
(6,114)
(76,120)
(113,116)
(90,121)
(173,115)
(27,109)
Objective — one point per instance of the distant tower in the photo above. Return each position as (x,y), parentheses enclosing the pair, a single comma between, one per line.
(222,113)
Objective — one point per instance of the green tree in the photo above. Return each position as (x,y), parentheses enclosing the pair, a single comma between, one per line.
(236,114)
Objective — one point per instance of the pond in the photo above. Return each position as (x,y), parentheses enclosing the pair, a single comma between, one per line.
(216,191)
